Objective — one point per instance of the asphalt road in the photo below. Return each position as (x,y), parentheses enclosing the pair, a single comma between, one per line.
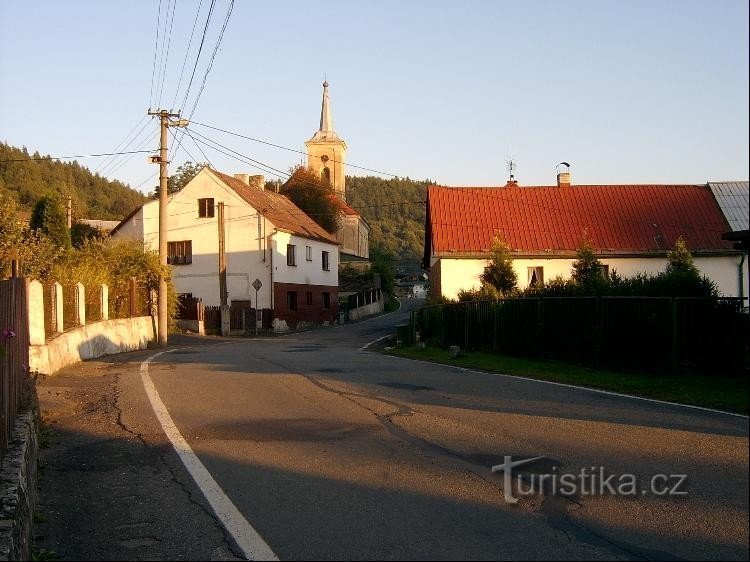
(334,452)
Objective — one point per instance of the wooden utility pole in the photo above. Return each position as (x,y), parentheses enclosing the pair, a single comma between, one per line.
(163,161)
(69,212)
(222,258)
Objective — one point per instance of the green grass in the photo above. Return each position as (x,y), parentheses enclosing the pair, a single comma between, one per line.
(711,391)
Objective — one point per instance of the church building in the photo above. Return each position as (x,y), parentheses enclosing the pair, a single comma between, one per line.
(326,156)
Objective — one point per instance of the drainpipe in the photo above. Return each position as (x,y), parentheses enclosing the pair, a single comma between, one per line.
(742,278)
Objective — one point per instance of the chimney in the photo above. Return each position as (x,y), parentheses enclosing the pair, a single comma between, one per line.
(563,175)
(258,182)
(244,178)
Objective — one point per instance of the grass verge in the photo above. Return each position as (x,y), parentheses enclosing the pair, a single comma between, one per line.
(710,391)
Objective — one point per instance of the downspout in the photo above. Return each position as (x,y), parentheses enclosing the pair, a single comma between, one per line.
(742,278)
(273,291)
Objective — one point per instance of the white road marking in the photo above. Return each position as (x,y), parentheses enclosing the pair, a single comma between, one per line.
(596,390)
(247,538)
(374,341)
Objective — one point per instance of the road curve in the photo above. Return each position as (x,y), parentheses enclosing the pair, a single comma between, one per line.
(334,452)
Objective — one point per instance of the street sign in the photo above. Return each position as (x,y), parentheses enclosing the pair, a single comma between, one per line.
(257,284)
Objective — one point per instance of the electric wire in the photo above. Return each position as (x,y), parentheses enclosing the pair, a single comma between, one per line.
(187,54)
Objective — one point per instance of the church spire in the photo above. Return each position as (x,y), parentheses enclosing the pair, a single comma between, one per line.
(325,131)
(326,125)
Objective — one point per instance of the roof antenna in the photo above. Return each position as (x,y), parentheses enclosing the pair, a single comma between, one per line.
(512,166)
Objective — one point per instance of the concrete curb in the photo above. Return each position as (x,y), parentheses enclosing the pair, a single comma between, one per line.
(18,489)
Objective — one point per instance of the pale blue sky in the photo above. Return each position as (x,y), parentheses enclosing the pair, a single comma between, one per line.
(641,92)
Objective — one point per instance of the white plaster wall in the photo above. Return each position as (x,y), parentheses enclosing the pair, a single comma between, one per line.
(244,249)
(305,272)
(88,342)
(458,274)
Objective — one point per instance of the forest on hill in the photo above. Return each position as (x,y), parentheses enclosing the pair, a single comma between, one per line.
(395,210)
(26,178)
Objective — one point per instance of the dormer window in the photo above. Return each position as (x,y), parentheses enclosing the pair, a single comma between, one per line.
(206,208)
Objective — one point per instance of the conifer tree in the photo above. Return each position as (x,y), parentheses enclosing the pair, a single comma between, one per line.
(499,273)
(49,217)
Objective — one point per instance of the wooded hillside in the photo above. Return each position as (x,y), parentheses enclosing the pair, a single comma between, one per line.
(26,179)
(394,209)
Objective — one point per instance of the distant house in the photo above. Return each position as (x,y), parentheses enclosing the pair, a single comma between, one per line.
(103,226)
(267,238)
(632,228)
(733,198)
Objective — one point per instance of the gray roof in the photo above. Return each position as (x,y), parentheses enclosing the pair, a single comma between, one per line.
(733,198)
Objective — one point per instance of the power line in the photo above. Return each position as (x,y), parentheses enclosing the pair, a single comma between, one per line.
(111,164)
(213,57)
(165,56)
(156,52)
(200,50)
(31,158)
(119,145)
(187,53)
(268,143)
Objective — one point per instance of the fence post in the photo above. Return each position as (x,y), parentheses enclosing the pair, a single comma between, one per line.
(598,326)
(675,342)
(103,302)
(80,300)
(35,311)
(57,306)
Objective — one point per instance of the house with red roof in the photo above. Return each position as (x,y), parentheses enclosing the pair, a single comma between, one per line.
(266,238)
(632,228)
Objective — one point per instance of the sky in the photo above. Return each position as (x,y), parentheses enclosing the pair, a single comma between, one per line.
(626,92)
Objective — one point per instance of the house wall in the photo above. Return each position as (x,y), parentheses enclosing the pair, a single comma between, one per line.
(305,315)
(354,236)
(304,272)
(244,249)
(305,276)
(453,275)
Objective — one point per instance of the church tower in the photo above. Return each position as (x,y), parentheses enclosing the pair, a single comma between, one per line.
(326,152)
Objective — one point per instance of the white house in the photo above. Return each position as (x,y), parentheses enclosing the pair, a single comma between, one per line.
(632,228)
(266,236)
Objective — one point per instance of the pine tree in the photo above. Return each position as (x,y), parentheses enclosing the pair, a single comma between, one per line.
(499,273)
(49,217)
(680,259)
(587,270)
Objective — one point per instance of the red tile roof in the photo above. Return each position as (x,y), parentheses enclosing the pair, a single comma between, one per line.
(620,219)
(346,209)
(278,209)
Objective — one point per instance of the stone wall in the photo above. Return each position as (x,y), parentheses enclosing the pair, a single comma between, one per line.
(18,484)
(91,341)
(367,310)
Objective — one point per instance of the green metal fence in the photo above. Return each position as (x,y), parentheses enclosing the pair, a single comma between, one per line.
(643,333)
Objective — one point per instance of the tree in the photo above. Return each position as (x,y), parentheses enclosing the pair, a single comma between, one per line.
(680,259)
(80,232)
(180,178)
(311,194)
(382,264)
(49,217)
(587,269)
(499,273)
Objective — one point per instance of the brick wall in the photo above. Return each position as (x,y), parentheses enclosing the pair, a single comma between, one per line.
(313,313)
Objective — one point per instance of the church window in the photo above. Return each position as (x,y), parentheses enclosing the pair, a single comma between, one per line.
(326,175)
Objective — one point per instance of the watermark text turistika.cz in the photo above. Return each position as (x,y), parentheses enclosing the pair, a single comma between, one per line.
(589,481)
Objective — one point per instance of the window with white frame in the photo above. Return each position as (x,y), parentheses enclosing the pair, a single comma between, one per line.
(326,261)
(291,254)
(536,276)
(308,253)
